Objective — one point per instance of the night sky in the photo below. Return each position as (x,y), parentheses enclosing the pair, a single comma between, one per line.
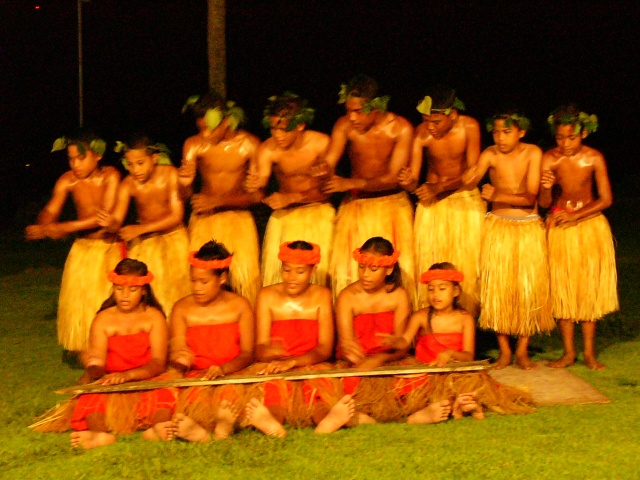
(143,58)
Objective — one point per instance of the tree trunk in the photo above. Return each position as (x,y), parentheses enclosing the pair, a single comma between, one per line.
(216,43)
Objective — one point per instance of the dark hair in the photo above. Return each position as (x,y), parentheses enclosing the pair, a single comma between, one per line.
(442,97)
(213,250)
(382,246)
(300,245)
(85,139)
(141,141)
(133,268)
(209,100)
(511,117)
(362,86)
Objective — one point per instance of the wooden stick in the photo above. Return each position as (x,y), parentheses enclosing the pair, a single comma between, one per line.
(297,375)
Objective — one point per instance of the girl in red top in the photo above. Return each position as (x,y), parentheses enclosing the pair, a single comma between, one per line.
(212,335)
(445,333)
(127,342)
(295,330)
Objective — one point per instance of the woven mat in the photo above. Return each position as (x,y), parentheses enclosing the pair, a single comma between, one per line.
(550,386)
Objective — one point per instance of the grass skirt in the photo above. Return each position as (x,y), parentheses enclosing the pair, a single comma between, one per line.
(514,280)
(358,220)
(450,230)
(166,257)
(236,229)
(311,223)
(583,270)
(124,412)
(84,287)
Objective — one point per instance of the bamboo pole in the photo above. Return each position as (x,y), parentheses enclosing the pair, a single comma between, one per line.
(297,375)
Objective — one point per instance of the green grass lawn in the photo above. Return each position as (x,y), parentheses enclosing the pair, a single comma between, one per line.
(572,442)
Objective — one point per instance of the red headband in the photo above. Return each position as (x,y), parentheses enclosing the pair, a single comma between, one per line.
(448,275)
(129,280)
(209,264)
(372,260)
(299,257)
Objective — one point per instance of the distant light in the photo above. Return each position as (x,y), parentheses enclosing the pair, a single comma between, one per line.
(28,165)
(37,7)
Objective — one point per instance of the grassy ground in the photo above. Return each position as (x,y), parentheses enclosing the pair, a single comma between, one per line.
(579,441)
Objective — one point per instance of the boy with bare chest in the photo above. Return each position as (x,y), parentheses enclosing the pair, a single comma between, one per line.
(449,217)
(222,153)
(95,252)
(378,143)
(514,278)
(581,251)
(301,210)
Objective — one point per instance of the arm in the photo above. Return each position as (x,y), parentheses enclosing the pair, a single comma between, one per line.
(265,351)
(97,354)
(112,221)
(474,174)
(409,176)
(158,338)
(404,341)
(349,345)
(337,144)
(188,167)
(547,180)
(181,355)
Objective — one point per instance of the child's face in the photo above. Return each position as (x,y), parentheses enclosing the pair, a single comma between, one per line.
(279,132)
(569,142)
(128,298)
(141,164)
(81,165)
(506,137)
(439,124)
(296,278)
(441,294)
(360,120)
(205,285)
(373,278)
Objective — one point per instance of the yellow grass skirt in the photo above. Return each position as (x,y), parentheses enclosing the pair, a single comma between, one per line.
(84,287)
(450,230)
(514,280)
(311,223)
(357,221)
(236,229)
(583,270)
(166,257)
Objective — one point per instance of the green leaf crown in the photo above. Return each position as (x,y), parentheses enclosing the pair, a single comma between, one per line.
(579,121)
(522,122)
(159,149)
(425,107)
(377,103)
(214,116)
(302,116)
(96,145)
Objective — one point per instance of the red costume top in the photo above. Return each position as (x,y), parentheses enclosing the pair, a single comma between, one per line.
(431,344)
(368,325)
(125,352)
(297,337)
(213,344)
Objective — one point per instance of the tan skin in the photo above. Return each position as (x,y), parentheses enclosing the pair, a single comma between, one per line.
(92,188)
(292,156)
(223,157)
(514,171)
(379,147)
(130,316)
(370,295)
(446,319)
(294,298)
(452,144)
(568,174)
(154,188)
(210,304)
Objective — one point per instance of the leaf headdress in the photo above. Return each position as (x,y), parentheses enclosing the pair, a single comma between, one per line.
(160,149)
(377,103)
(581,120)
(522,122)
(295,115)
(425,106)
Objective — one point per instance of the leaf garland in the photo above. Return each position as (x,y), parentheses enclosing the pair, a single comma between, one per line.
(580,121)
(377,103)
(522,122)
(425,106)
(304,115)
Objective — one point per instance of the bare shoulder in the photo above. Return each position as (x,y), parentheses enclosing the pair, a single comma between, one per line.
(592,153)
(248,138)
(349,292)
(155,315)
(401,294)
(400,124)
(315,138)
(422,134)
(342,126)
(531,150)
(110,173)
(469,123)
(320,292)
(238,302)
(269,292)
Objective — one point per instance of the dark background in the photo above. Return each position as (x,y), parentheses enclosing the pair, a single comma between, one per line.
(143,58)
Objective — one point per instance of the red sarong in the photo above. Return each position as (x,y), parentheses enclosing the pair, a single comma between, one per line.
(124,352)
(297,337)
(213,344)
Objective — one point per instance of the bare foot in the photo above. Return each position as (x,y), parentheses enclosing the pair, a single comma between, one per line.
(88,439)
(189,430)
(525,363)
(593,364)
(434,413)
(225,419)
(565,361)
(338,416)
(161,431)
(502,362)
(464,403)
(260,417)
